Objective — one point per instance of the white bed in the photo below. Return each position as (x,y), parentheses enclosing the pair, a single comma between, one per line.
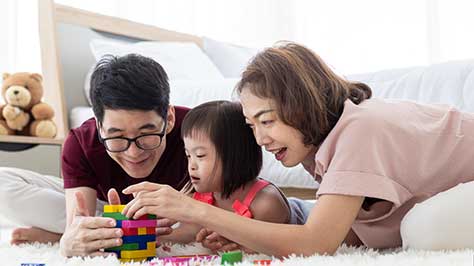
(196,76)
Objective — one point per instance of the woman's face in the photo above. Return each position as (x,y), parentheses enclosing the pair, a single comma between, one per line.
(285,142)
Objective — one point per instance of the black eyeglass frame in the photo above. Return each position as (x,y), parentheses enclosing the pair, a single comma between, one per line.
(130,140)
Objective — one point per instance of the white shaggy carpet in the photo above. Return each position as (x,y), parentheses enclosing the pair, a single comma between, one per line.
(49,255)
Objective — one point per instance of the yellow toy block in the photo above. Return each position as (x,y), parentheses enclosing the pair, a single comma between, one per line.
(132,260)
(151,245)
(133,254)
(142,231)
(113,208)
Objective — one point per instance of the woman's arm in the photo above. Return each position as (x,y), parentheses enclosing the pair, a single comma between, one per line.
(328,224)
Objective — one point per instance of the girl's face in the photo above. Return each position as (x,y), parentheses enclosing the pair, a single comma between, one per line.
(285,142)
(205,169)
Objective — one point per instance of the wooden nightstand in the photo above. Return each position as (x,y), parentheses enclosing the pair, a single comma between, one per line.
(36,154)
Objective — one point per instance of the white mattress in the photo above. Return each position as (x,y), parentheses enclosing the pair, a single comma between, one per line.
(191,93)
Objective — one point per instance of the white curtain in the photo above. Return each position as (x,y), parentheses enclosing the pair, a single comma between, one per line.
(352,36)
(19,37)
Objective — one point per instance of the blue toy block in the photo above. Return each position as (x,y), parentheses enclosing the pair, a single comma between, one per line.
(139,239)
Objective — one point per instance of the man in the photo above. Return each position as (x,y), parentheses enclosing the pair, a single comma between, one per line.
(134,137)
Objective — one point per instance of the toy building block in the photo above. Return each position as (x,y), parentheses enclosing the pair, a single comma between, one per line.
(232,257)
(115,215)
(136,259)
(132,254)
(141,231)
(139,239)
(262,262)
(138,223)
(113,208)
(132,246)
(182,260)
(150,251)
(146,217)
(138,231)
(128,246)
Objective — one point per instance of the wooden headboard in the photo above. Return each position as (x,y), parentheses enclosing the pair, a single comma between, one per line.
(65,33)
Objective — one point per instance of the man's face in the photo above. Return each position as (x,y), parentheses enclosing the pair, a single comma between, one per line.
(138,163)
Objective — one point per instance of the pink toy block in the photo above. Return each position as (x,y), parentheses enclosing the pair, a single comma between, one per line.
(138,223)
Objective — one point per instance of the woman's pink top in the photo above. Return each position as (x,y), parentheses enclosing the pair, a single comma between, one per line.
(396,154)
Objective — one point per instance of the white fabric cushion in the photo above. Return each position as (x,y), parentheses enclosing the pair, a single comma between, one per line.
(181,60)
(79,115)
(191,93)
(230,59)
(449,83)
(441,222)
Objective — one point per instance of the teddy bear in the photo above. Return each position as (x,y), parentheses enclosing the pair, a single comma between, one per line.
(24,113)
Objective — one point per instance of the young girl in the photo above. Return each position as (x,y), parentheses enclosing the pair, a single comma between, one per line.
(223,164)
(375,159)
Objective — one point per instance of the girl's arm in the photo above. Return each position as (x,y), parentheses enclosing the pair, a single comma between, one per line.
(327,226)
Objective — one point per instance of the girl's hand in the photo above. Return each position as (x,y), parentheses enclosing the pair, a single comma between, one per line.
(164,226)
(162,201)
(214,241)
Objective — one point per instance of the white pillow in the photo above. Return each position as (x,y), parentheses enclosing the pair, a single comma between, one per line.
(191,93)
(181,60)
(230,59)
(296,177)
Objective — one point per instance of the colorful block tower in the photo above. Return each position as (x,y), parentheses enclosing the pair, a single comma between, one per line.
(139,239)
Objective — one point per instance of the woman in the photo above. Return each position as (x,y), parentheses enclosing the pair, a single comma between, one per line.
(374,159)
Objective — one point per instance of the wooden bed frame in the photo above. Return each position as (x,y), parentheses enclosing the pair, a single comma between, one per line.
(52,14)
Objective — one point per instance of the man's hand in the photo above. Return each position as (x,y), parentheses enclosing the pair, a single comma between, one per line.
(87,235)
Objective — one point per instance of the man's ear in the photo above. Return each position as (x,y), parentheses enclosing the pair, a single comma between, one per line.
(170,119)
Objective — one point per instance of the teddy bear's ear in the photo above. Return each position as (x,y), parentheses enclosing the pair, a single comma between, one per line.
(5,76)
(37,76)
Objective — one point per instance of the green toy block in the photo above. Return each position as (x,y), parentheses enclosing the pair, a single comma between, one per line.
(126,246)
(229,258)
(115,215)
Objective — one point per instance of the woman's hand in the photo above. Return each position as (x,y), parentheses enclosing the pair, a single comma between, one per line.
(86,235)
(162,201)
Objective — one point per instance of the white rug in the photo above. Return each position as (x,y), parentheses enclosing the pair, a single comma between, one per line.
(49,255)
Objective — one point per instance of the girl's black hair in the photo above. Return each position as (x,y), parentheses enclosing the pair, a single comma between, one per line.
(235,144)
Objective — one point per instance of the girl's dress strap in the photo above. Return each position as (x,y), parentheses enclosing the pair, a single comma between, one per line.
(204,197)
(243,208)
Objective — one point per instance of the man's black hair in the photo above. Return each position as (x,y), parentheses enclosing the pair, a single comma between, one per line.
(130,82)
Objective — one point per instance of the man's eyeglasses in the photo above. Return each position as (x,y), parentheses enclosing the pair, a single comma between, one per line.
(145,142)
